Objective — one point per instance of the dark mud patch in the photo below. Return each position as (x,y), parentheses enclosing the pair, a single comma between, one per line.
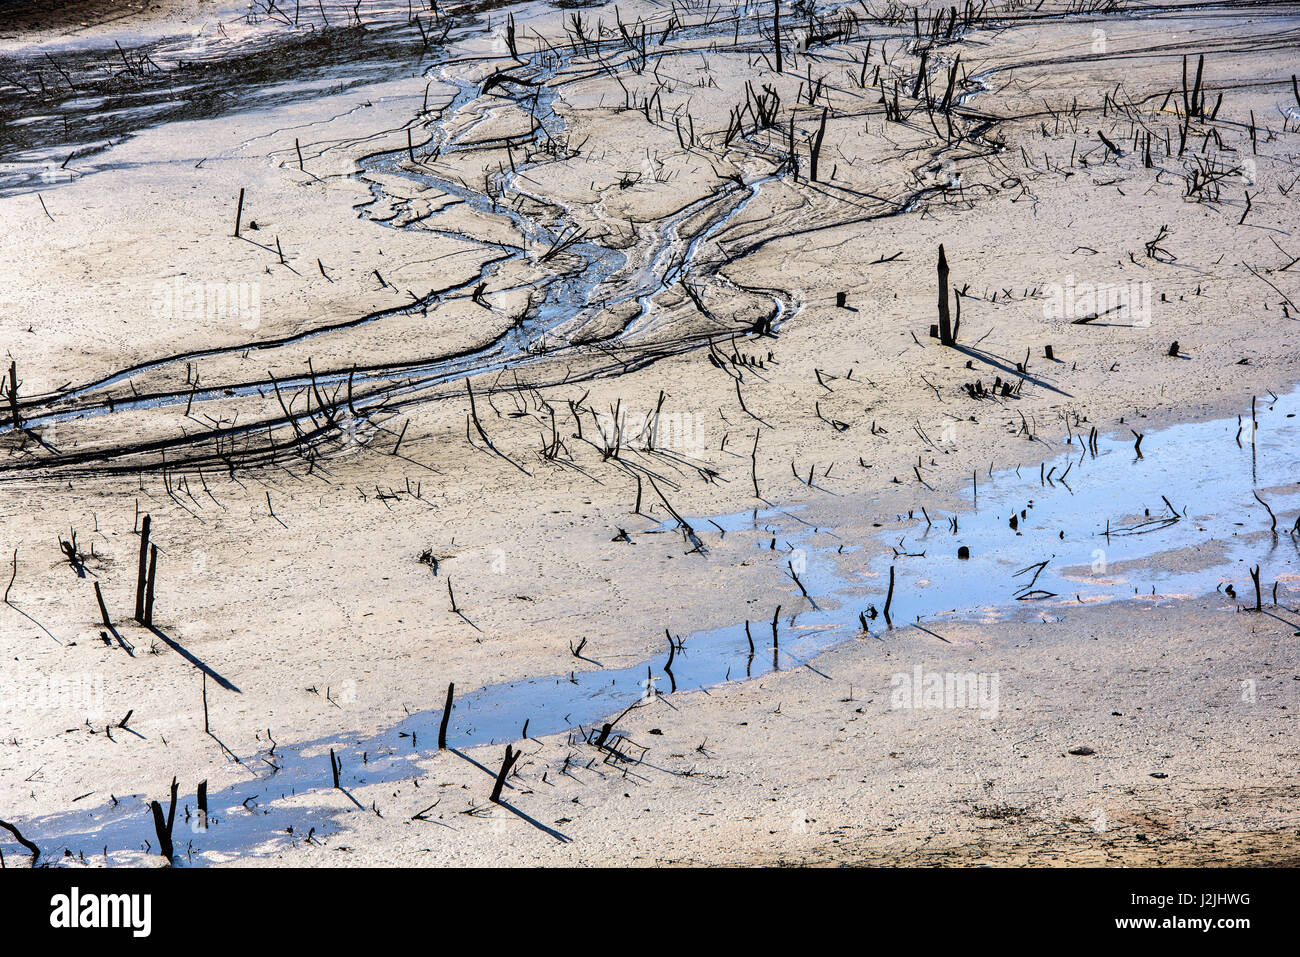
(60,110)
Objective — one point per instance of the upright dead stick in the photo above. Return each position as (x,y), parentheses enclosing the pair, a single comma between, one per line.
(144,568)
(13,396)
(13,577)
(446,716)
(148,591)
(889,598)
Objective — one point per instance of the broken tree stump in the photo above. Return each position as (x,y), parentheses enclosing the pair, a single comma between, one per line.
(164,828)
(945,319)
(511,757)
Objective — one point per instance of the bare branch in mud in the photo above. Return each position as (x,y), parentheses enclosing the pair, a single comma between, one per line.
(687,531)
(889,598)
(473,411)
(35,851)
(1273,526)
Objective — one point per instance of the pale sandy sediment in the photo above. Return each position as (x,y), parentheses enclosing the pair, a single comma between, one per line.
(328,592)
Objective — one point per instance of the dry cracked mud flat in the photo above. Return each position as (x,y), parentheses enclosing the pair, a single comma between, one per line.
(578,433)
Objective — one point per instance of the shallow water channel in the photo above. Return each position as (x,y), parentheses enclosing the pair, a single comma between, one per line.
(1181,519)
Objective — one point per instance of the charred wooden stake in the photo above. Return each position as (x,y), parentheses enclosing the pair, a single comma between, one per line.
(1254,577)
(13,396)
(446,716)
(144,568)
(148,592)
(753,465)
(164,828)
(239,211)
(203,804)
(815,147)
(335,766)
(776,32)
(511,757)
(945,320)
